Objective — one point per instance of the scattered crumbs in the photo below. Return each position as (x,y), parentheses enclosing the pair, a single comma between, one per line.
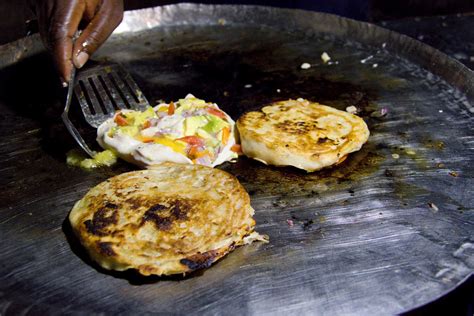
(433,207)
(226,94)
(290,222)
(278,90)
(454,174)
(305,66)
(420,37)
(351,109)
(384,45)
(325,57)
(247,86)
(410,152)
(441,165)
(221,21)
(363,61)
(300,100)
(395,156)
(375,65)
(440,111)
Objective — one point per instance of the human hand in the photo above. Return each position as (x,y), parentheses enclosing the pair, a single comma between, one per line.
(59,20)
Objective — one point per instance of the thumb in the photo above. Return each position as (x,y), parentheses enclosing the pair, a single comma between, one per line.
(97,31)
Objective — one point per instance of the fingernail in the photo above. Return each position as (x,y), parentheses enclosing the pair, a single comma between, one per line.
(81,59)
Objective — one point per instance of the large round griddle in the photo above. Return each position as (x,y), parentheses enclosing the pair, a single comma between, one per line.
(365,238)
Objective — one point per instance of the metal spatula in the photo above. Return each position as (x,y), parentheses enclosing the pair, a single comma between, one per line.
(101,91)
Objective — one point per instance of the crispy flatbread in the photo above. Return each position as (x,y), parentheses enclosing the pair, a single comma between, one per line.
(300,133)
(170,219)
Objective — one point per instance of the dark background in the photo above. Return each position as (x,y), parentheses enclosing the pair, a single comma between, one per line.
(445,24)
(13,14)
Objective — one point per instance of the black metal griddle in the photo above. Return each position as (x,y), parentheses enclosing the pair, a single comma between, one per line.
(375,235)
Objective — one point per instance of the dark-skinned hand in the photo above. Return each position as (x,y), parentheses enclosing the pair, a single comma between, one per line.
(59,20)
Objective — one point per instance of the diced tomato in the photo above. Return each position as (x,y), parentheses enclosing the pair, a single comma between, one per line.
(171,108)
(120,120)
(225,135)
(236,149)
(216,112)
(192,140)
(147,124)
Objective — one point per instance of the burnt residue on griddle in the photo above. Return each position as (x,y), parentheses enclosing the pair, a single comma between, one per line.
(271,180)
(200,260)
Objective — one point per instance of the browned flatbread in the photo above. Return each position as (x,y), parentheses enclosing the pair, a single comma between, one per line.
(300,133)
(171,219)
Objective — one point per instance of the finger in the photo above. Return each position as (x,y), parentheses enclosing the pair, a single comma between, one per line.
(64,22)
(107,18)
(92,7)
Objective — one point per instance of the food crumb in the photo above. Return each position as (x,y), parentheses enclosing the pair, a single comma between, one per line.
(441,165)
(454,174)
(395,156)
(78,159)
(440,111)
(325,57)
(433,207)
(305,66)
(290,222)
(384,45)
(221,21)
(247,86)
(375,65)
(300,100)
(226,94)
(278,90)
(411,152)
(351,109)
(379,114)
(363,61)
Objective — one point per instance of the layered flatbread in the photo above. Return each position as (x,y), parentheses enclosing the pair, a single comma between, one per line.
(300,133)
(171,219)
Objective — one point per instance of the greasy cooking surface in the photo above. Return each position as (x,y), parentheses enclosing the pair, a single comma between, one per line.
(299,133)
(160,221)
(357,238)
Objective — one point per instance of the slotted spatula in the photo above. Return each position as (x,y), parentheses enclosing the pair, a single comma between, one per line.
(101,91)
